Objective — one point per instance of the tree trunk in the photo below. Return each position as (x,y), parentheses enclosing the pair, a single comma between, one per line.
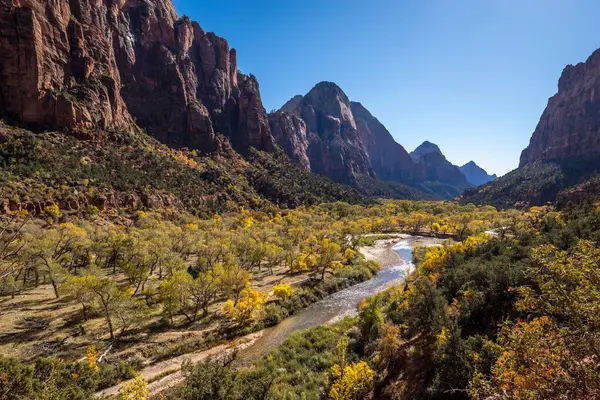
(110,325)
(54,287)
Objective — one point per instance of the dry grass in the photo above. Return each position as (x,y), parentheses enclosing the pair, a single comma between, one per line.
(35,324)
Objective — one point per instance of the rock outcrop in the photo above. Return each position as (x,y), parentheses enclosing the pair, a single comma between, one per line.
(81,64)
(475,174)
(425,148)
(319,131)
(328,134)
(569,128)
(389,159)
(433,166)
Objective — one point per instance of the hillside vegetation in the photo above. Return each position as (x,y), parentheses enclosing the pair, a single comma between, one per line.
(506,316)
(147,287)
(534,184)
(121,172)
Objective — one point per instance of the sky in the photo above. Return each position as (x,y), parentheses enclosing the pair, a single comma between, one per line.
(472,76)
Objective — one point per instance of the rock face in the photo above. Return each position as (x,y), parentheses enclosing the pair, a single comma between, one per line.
(389,159)
(570,125)
(425,148)
(433,166)
(290,133)
(319,131)
(475,174)
(114,63)
(328,134)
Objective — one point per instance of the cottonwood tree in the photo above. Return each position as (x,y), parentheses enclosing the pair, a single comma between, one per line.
(103,294)
(11,248)
(232,278)
(53,252)
(249,304)
(328,257)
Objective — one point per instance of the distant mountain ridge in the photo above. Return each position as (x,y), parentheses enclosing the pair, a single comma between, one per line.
(330,135)
(475,174)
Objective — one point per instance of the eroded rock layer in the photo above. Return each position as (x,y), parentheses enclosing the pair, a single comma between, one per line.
(111,64)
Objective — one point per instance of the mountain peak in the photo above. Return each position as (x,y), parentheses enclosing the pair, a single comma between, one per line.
(425,148)
(475,174)
(326,92)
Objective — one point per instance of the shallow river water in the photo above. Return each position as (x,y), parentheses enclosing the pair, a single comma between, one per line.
(334,307)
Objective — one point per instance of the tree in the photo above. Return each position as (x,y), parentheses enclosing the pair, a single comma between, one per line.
(57,250)
(80,288)
(283,291)
(349,381)
(102,293)
(555,354)
(135,389)
(112,248)
(250,303)
(202,291)
(535,363)
(328,257)
(11,248)
(232,278)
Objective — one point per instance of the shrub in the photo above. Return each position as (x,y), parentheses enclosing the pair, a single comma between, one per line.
(283,291)
(52,211)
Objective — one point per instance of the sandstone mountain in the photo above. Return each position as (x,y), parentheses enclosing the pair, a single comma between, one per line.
(436,170)
(569,128)
(564,149)
(389,159)
(89,78)
(425,148)
(475,174)
(319,131)
(330,135)
(82,64)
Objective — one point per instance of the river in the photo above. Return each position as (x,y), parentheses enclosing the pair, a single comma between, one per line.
(334,307)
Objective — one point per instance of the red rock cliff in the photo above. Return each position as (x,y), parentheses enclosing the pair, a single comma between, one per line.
(570,125)
(113,63)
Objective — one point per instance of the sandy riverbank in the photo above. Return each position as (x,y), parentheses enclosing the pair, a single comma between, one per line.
(382,252)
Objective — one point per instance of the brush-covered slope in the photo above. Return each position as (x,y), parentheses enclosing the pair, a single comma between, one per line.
(112,172)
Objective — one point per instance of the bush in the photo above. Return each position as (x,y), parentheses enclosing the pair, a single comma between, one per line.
(274,314)
(47,378)
(111,374)
(283,291)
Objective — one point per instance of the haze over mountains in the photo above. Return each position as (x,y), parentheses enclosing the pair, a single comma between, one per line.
(475,174)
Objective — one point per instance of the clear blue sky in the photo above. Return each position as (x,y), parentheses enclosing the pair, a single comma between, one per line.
(472,76)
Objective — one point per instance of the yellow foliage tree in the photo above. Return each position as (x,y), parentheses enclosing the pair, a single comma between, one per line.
(92,358)
(135,389)
(353,382)
(349,381)
(249,304)
(283,291)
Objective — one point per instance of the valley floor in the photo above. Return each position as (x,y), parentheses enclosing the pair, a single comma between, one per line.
(35,324)
(167,374)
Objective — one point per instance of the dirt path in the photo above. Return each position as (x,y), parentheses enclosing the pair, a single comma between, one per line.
(172,368)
